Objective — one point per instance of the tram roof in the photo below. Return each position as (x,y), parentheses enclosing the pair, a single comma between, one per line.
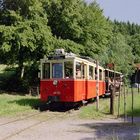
(84,59)
(114,71)
(60,54)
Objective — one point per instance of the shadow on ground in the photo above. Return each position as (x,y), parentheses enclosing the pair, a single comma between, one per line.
(26,102)
(106,130)
(41,106)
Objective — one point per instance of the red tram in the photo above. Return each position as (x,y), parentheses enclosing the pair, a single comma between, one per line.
(68,78)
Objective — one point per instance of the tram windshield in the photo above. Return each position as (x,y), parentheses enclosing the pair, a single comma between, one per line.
(57,70)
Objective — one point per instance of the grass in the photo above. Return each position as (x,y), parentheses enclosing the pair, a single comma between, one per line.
(90,112)
(104,107)
(13,105)
(128,105)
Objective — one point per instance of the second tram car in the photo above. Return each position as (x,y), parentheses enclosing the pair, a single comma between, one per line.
(68,78)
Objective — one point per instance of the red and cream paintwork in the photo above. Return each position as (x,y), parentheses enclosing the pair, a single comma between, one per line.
(72,89)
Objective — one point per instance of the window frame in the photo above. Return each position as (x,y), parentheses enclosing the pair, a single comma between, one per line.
(93,72)
(70,76)
(83,69)
(55,68)
(42,70)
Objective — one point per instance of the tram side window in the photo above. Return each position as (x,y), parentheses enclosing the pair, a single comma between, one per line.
(57,70)
(78,70)
(96,74)
(91,72)
(46,71)
(111,74)
(83,71)
(100,75)
(68,67)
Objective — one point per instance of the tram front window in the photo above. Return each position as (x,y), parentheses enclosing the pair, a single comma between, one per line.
(46,70)
(68,67)
(57,70)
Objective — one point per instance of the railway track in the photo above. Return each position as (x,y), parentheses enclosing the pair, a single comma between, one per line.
(46,107)
(49,116)
(26,128)
(16,120)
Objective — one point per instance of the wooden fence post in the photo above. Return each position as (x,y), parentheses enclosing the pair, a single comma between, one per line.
(112,102)
(132,104)
(119,101)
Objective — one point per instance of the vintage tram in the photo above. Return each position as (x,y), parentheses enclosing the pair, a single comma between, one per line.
(68,78)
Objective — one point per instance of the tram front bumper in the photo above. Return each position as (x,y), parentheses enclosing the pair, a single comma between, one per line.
(53,98)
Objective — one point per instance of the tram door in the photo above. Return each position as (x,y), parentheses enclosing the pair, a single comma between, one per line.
(80,83)
(84,72)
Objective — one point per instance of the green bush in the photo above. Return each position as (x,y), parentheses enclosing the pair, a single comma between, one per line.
(13,82)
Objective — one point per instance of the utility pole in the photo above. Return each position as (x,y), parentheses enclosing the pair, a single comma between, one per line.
(97,85)
(125,115)
(112,96)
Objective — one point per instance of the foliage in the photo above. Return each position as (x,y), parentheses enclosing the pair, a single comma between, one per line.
(81,23)
(10,81)
(126,28)
(117,53)
(69,46)
(135,44)
(131,32)
(30,29)
(64,18)
(27,37)
(96,31)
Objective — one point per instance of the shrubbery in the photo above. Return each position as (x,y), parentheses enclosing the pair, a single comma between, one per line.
(12,81)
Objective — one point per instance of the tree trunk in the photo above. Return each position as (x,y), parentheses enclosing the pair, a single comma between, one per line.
(21,70)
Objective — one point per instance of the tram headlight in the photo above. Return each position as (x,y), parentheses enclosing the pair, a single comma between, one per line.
(55,82)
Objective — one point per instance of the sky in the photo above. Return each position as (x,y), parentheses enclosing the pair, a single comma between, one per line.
(121,10)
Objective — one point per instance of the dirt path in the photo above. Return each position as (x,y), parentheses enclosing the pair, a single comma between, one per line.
(65,126)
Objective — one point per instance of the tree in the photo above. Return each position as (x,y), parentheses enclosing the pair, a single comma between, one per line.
(135,44)
(84,24)
(25,35)
(64,18)
(131,32)
(120,53)
(97,31)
